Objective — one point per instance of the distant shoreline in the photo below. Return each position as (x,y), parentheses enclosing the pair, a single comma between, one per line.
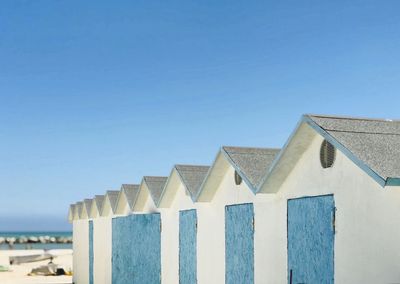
(46,240)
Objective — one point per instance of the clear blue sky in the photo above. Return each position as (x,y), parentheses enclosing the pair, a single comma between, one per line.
(98,93)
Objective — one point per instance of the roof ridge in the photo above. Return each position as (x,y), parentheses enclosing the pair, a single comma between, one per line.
(361,132)
(253,148)
(353,118)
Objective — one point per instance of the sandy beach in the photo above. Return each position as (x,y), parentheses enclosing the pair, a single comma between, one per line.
(19,273)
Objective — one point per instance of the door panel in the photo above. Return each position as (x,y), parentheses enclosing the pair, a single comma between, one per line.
(311,240)
(239,244)
(136,249)
(187,247)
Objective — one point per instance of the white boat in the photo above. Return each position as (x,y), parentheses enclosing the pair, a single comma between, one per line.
(30,258)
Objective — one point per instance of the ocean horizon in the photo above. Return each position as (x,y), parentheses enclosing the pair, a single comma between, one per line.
(27,234)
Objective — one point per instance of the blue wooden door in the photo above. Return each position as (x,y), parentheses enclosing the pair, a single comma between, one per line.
(91,252)
(311,239)
(187,247)
(239,244)
(136,249)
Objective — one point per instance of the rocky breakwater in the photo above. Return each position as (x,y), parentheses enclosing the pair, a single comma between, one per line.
(35,240)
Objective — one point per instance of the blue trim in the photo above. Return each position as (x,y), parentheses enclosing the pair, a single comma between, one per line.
(344,150)
(393,181)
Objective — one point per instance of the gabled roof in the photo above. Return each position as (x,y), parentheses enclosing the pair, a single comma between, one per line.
(372,144)
(87,204)
(78,210)
(250,163)
(131,192)
(71,213)
(375,143)
(97,205)
(155,185)
(111,196)
(190,176)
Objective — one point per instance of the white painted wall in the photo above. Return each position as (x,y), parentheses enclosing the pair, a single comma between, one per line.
(367,247)
(102,250)
(81,251)
(122,208)
(211,228)
(170,235)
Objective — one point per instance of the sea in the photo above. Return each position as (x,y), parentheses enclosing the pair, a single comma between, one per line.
(46,246)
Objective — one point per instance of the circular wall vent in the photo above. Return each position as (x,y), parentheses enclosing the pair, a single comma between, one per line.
(238,178)
(327,154)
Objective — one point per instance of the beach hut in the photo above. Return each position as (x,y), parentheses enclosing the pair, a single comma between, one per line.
(136,238)
(226,221)
(101,243)
(179,222)
(102,210)
(337,187)
(126,199)
(80,246)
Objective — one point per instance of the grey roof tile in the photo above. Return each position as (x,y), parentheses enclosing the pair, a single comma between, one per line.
(155,185)
(192,177)
(252,162)
(374,142)
(99,199)
(131,192)
(88,204)
(79,207)
(112,197)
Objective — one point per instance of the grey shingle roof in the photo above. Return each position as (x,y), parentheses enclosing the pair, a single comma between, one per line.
(131,192)
(99,199)
(113,197)
(251,162)
(192,177)
(87,203)
(79,207)
(374,142)
(155,185)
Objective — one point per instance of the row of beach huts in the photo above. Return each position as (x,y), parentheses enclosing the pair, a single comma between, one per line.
(325,208)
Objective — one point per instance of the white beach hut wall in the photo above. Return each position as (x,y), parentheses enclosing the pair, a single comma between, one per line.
(80,246)
(179,222)
(229,213)
(336,183)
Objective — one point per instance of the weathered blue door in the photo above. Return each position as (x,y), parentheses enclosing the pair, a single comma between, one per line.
(187,247)
(90,252)
(311,239)
(136,249)
(239,244)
